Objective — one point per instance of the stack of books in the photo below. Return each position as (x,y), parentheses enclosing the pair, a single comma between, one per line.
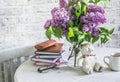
(48,53)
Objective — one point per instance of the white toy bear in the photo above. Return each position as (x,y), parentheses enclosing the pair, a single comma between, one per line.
(89,59)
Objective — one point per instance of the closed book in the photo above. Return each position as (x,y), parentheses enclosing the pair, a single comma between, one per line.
(47,60)
(46,56)
(45,44)
(43,64)
(49,55)
(55,48)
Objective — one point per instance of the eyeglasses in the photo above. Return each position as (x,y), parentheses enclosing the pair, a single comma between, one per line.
(44,69)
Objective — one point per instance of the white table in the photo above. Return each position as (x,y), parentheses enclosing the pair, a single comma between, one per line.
(27,72)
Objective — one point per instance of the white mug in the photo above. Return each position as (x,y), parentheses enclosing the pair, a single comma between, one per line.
(114,61)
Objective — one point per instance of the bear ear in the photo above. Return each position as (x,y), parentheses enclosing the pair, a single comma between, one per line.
(81,45)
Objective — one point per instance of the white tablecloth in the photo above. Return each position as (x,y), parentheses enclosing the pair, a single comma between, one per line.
(27,72)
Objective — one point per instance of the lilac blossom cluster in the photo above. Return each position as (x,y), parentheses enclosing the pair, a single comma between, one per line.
(60,16)
(59,19)
(93,18)
(63,3)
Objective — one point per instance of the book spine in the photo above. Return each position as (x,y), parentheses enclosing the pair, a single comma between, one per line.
(46,53)
(42,60)
(43,64)
(48,56)
(49,53)
(45,60)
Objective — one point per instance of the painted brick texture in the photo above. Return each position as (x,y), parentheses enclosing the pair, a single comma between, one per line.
(21,21)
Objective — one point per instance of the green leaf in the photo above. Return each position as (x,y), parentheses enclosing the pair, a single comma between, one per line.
(95,39)
(84,10)
(75,29)
(91,1)
(78,10)
(81,38)
(50,29)
(69,39)
(48,34)
(70,33)
(108,37)
(104,40)
(58,32)
(97,1)
(88,38)
(79,5)
(80,25)
(102,36)
(111,31)
(102,29)
(83,7)
(84,2)
(71,3)
(70,23)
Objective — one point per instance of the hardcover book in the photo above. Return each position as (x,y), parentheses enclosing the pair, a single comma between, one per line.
(43,64)
(47,60)
(47,64)
(46,56)
(44,45)
(55,48)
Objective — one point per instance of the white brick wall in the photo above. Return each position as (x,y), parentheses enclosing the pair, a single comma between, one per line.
(21,21)
(113,17)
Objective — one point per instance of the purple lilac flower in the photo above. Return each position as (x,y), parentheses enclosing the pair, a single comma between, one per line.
(60,18)
(54,10)
(90,16)
(63,3)
(79,0)
(94,17)
(91,24)
(48,23)
(73,18)
(85,28)
(95,32)
(64,31)
(94,8)
(83,19)
(100,17)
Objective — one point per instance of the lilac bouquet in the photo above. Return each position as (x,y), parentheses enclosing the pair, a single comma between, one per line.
(78,21)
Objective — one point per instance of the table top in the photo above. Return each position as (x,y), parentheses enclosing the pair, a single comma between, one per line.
(27,72)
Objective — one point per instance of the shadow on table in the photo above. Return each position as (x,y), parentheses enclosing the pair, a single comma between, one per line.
(80,72)
(73,69)
(107,69)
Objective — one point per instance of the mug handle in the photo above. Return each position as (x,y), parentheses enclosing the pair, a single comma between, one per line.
(105,60)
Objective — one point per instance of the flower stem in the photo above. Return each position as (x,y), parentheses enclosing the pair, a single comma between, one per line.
(75,54)
(75,59)
(71,54)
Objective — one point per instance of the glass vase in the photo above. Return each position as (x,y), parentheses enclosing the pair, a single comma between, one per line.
(74,50)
